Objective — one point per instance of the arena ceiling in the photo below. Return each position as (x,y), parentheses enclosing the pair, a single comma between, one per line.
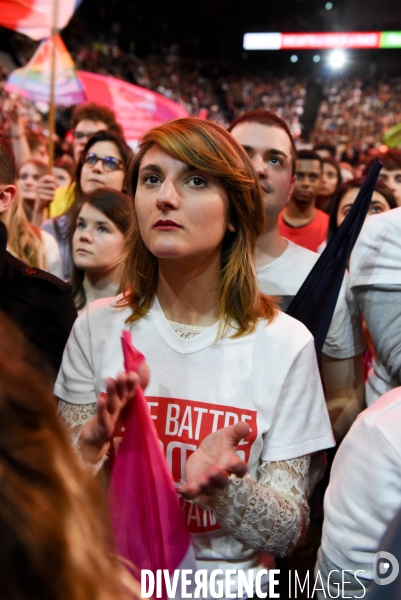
(214,28)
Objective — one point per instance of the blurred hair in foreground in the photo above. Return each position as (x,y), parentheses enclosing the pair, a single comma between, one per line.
(55,540)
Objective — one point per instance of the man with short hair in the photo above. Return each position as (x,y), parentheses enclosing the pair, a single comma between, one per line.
(391,172)
(282,266)
(39,303)
(88,119)
(300,220)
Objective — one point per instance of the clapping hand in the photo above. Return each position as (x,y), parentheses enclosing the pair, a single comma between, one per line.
(209,467)
(110,412)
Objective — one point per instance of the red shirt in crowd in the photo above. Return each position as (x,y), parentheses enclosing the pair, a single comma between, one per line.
(310,235)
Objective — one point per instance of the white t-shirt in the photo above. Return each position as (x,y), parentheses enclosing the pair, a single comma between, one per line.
(53,256)
(375,261)
(375,258)
(364,493)
(285,275)
(268,378)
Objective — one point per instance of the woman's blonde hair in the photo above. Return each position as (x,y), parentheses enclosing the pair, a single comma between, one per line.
(24,239)
(55,540)
(210,148)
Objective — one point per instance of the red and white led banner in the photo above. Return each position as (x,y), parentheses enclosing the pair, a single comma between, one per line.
(321,41)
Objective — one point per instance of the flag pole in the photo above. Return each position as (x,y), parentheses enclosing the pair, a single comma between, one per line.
(52,107)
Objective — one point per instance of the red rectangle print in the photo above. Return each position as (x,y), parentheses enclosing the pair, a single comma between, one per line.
(181,426)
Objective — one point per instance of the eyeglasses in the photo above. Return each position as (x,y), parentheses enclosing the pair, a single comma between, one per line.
(109,162)
(80,135)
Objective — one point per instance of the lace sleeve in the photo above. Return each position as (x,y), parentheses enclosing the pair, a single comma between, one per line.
(76,415)
(272,514)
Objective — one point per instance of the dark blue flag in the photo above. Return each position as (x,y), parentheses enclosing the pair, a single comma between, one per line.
(316,300)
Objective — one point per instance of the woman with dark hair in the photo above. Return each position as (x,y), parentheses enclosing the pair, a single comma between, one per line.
(55,539)
(102,164)
(382,200)
(329,183)
(97,245)
(225,362)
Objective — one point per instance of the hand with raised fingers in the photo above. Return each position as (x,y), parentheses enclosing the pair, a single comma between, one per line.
(12,109)
(111,409)
(47,186)
(210,466)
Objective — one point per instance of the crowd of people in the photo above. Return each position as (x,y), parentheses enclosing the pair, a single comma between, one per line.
(198,243)
(353,114)
(358,112)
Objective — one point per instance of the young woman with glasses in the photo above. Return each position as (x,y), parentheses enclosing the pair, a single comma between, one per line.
(102,164)
(224,361)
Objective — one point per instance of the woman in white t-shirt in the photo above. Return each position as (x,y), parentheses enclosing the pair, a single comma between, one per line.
(219,352)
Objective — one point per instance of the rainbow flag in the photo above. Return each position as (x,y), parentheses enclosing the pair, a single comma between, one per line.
(33,80)
(34,17)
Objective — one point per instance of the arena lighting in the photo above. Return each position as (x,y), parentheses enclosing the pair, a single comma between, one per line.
(328,5)
(337,59)
(316,58)
(294,58)
(321,41)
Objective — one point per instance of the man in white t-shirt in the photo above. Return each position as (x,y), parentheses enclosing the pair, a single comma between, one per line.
(282,266)
(375,272)
(362,498)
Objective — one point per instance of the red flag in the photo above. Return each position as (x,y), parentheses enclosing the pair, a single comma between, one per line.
(34,17)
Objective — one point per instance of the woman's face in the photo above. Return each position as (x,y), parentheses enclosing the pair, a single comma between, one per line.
(378,205)
(97,242)
(182,211)
(99,175)
(28,177)
(62,176)
(328,180)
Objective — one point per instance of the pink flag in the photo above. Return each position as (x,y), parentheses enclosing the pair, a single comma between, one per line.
(34,17)
(138,109)
(148,523)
